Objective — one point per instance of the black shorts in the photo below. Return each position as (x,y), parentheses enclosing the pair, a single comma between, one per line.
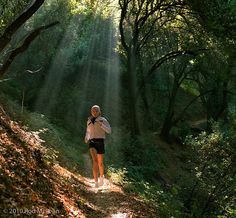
(98,144)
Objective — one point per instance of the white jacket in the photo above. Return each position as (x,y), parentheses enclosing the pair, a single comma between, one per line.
(96,130)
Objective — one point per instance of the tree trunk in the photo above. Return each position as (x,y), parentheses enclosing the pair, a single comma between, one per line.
(165,131)
(224,103)
(132,93)
(217,104)
(144,98)
(168,123)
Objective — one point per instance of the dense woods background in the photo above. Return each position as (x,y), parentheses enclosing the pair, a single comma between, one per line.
(164,75)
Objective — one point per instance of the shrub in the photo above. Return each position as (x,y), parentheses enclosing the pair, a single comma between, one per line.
(215,170)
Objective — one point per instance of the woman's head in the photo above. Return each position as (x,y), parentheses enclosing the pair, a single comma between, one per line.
(95,111)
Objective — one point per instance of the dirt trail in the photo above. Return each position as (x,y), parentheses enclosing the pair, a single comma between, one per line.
(111,201)
(33,186)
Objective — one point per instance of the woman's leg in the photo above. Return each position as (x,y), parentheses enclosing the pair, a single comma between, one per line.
(93,153)
(101,167)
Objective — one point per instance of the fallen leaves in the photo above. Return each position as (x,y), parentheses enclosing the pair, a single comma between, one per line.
(35,186)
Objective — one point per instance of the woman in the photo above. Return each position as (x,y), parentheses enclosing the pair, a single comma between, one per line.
(97,127)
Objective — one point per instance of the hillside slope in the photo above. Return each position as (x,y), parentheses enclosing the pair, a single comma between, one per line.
(32,185)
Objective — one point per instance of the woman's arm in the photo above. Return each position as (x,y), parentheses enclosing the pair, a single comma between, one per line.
(87,134)
(104,124)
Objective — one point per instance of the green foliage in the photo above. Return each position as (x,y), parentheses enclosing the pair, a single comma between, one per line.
(163,200)
(10,10)
(74,61)
(74,57)
(217,16)
(190,87)
(181,131)
(142,157)
(60,144)
(214,170)
(118,175)
(138,165)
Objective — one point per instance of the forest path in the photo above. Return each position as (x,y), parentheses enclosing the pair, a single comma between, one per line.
(110,200)
(34,184)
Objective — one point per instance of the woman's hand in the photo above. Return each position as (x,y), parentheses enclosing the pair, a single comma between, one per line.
(100,122)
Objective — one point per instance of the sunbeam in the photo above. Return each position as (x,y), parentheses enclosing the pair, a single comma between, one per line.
(85,77)
(111,98)
(49,93)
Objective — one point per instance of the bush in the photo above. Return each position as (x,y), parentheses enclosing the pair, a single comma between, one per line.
(215,169)
(59,142)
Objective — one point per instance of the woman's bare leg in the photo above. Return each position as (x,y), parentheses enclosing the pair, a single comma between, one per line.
(101,168)
(93,153)
(100,164)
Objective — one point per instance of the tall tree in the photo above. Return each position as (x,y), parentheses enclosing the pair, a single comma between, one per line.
(218,18)
(138,23)
(142,24)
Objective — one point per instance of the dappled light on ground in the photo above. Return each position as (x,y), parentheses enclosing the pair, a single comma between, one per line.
(120,215)
(70,206)
(108,186)
(32,184)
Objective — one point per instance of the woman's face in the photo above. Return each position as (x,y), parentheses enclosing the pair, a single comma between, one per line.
(95,112)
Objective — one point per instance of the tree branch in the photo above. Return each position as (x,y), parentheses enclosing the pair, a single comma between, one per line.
(189,104)
(16,24)
(124,8)
(162,60)
(23,47)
